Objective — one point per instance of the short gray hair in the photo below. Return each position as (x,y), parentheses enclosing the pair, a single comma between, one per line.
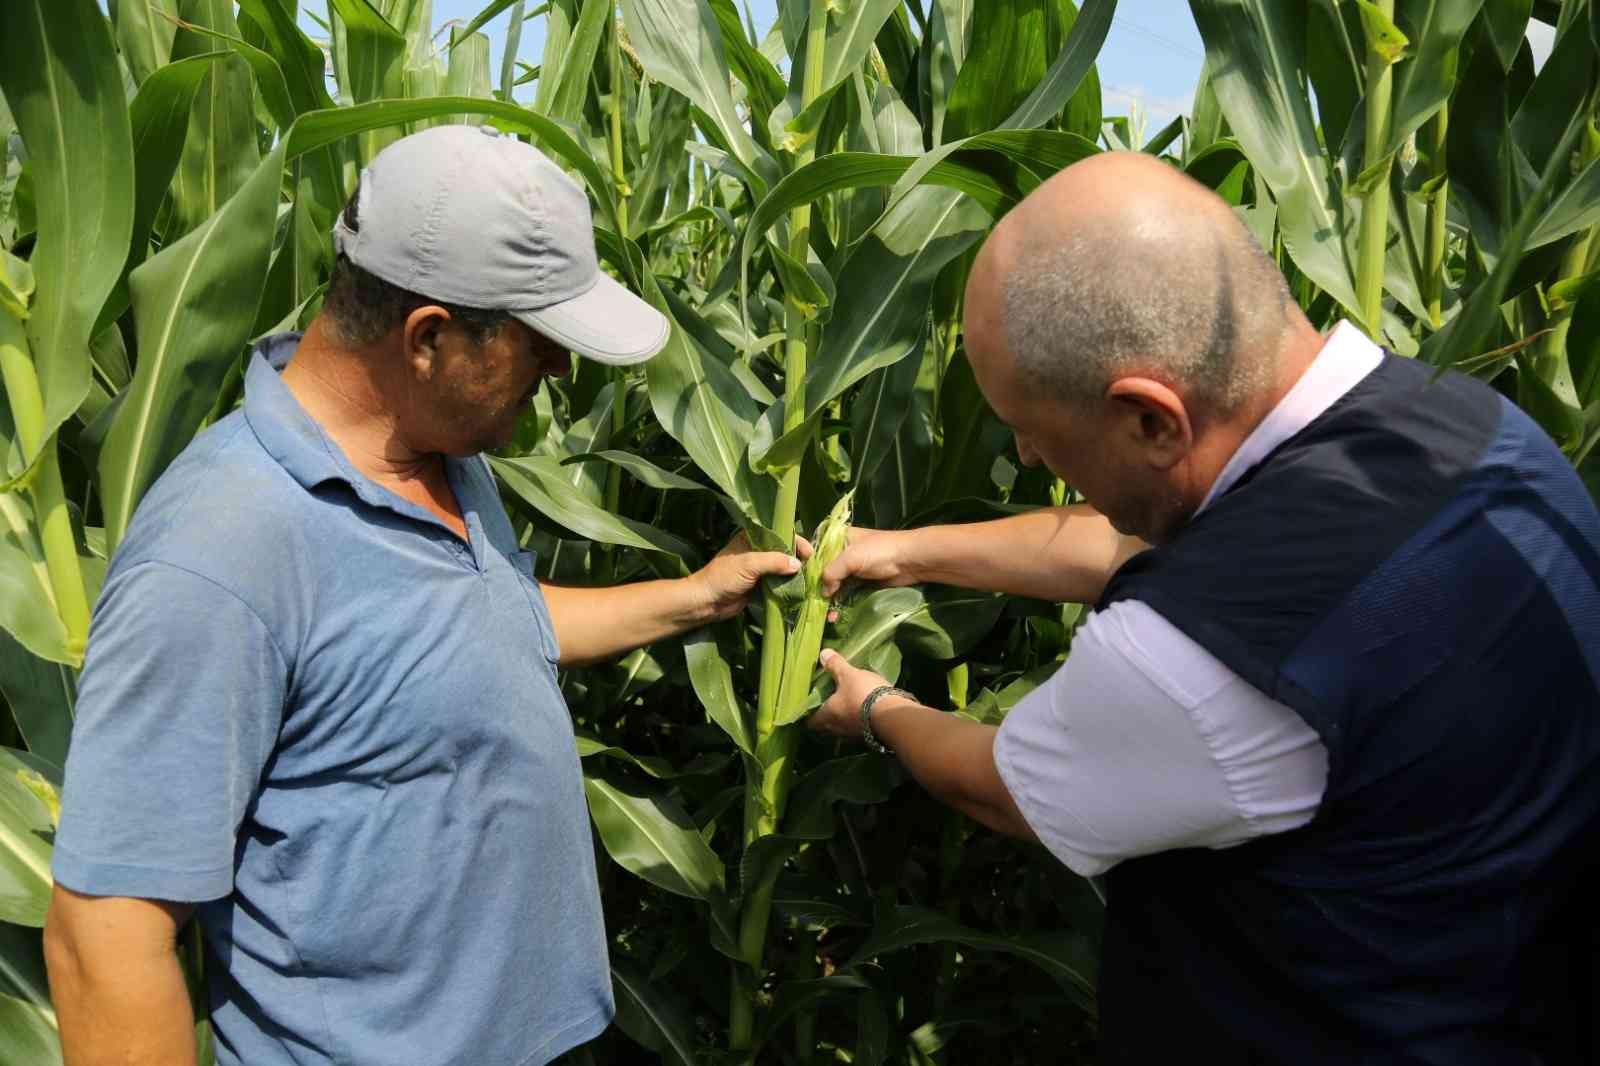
(1195,302)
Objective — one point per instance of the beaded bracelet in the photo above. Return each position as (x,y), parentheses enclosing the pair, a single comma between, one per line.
(867,735)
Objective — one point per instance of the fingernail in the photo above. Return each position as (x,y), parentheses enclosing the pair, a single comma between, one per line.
(826,656)
(794,564)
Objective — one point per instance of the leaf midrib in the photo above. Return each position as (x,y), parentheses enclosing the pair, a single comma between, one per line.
(675,861)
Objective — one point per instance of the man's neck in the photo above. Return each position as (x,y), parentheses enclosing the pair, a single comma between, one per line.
(340,390)
(1218,443)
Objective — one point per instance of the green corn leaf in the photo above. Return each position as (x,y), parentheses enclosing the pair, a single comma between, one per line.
(542,484)
(1568,292)
(1560,90)
(588,747)
(28,608)
(26,830)
(370,66)
(884,292)
(1005,61)
(1067,958)
(561,92)
(701,404)
(649,1013)
(305,77)
(712,679)
(879,409)
(483,18)
(325,128)
(857,779)
(792,997)
(41,695)
(949,31)
(680,44)
(1255,51)
(850,35)
(1068,70)
(159,115)
(469,73)
(642,469)
(867,623)
(649,835)
(972,437)
(222,150)
(1044,150)
(1480,312)
(763,84)
(194,304)
(508,60)
(16,285)
(269,76)
(145,29)
(1505,24)
(1426,80)
(59,74)
(29,1032)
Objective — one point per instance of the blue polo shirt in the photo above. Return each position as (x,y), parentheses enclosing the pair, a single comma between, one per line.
(310,708)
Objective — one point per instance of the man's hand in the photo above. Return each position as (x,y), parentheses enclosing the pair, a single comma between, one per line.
(882,556)
(951,756)
(726,583)
(841,714)
(593,624)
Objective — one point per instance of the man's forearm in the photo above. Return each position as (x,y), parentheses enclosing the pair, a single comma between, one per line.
(1062,554)
(953,758)
(598,623)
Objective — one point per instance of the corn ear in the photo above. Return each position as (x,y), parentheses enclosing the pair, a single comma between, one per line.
(805,640)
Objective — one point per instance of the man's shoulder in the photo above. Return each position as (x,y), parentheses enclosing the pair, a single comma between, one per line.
(224,509)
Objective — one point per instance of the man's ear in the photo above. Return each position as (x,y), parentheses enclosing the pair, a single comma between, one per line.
(1155,419)
(420,335)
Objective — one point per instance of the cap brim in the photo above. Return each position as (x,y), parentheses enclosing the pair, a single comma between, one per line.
(608,324)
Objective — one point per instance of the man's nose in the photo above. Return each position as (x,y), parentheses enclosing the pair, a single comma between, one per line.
(1025,453)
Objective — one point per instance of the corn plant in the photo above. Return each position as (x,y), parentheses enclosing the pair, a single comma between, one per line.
(1441,193)
(803,201)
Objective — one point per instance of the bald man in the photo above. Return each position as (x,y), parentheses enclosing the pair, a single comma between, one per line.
(1331,733)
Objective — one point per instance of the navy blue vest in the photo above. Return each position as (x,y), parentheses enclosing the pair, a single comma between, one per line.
(1416,574)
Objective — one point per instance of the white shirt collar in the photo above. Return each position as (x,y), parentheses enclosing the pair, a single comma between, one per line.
(1347,356)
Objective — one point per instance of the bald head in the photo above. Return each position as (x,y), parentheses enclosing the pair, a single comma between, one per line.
(1120,264)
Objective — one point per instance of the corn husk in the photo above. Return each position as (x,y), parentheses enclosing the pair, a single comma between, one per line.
(805,639)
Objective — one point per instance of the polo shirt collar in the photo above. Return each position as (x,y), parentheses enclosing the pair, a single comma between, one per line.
(285,430)
(309,455)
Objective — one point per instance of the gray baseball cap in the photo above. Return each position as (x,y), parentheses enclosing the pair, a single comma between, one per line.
(466,216)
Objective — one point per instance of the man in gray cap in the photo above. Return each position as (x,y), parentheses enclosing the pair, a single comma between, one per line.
(320,708)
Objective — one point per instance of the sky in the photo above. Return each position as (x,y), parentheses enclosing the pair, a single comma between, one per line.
(1148,66)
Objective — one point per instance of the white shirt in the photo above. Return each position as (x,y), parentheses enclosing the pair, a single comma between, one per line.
(1143,741)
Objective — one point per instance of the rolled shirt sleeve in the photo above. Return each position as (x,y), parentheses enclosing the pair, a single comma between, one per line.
(178,709)
(1144,742)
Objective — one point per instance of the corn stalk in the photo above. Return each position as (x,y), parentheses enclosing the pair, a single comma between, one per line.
(619,174)
(1552,364)
(1385,44)
(765,798)
(1438,205)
